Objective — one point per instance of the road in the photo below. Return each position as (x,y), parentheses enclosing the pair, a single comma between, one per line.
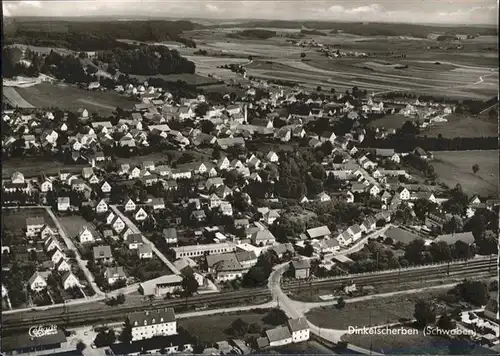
(136,230)
(71,246)
(296,309)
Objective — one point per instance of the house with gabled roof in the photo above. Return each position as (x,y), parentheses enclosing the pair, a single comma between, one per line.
(69,280)
(114,274)
(101,207)
(85,235)
(57,255)
(105,187)
(102,254)
(37,282)
(118,225)
(140,215)
(62,266)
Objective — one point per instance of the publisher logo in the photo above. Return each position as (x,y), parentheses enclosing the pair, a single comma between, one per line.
(42,330)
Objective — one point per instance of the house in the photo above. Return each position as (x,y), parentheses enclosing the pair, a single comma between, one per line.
(101,207)
(279,336)
(145,252)
(63,266)
(170,235)
(272,156)
(157,203)
(151,323)
(198,215)
(102,254)
(223,163)
(327,136)
(105,187)
(63,204)
(118,225)
(85,235)
(134,241)
(129,205)
(300,269)
(225,143)
(271,216)
(114,274)
(299,329)
(321,232)
(87,172)
(262,238)
(192,251)
(57,256)
(51,244)
(69,280)
(323,197)
(369,224)
(226,208)
(46,186)
(34,226)
(421,153)
(402,193)
(140,215)
(37,282)
(349,197)
(228,270)
(329,246)
(355,231)
(374,190)
(94,179)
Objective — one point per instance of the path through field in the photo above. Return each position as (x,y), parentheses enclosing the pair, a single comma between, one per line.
(15,99)
(90,102)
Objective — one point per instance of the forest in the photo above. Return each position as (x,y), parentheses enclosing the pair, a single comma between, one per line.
(94,36)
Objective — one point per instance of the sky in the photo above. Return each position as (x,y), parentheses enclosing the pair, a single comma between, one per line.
(409,11)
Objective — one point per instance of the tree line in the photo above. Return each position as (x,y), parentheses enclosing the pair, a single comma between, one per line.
(409,143)
(94,36)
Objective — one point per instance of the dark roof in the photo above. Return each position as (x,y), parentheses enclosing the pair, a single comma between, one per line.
(451,239)
(301,264)
(154,343)
(24,341)
(152,317)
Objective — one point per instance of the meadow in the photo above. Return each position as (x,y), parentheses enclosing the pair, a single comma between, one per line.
(74,224)
(14,220)
(454,167)
(12,97)
(66,97)
(464,126)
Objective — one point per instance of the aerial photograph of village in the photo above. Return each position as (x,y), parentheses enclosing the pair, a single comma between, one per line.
(250,177)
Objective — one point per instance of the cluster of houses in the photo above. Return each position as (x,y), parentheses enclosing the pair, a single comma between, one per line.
(295,331)
(43,240)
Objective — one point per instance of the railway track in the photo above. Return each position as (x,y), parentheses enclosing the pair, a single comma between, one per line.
(464,270)
(22,321)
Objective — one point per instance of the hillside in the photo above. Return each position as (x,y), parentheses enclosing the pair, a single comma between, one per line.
(93,36)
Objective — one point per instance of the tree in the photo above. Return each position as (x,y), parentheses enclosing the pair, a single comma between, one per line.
(473,292)
(238,328)
(424,314)
(216,153)
(308,250)
(475,168)
(80,346)
(440,251)
(275,317)
(201,109)
(340,303)
(414,252)
(302,55)
(332,90)
(207,126)
(126,334)
(318,88)
(445,322)
(189,284)
(104,338)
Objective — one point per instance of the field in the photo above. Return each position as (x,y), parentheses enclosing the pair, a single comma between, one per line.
(467,73)
(70,98)
(14,220)
(74,224)
(212,328)
(34,166)
(464,126)
(193,79)
(392,121)
(415,343)
(13,98)
(370,312)
(454,167)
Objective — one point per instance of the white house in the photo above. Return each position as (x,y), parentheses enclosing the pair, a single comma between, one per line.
(140,215)
(63,203)
(70,281)
(403,193)
(63,266)
(101,207)
(145,252)
(151,323)
(34,226)
(130,205)
(299,329)
(118,224)
(114,274)
(279,336)
(272,156)
(37,282)
(105,187)
(46,186)
(85,235)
